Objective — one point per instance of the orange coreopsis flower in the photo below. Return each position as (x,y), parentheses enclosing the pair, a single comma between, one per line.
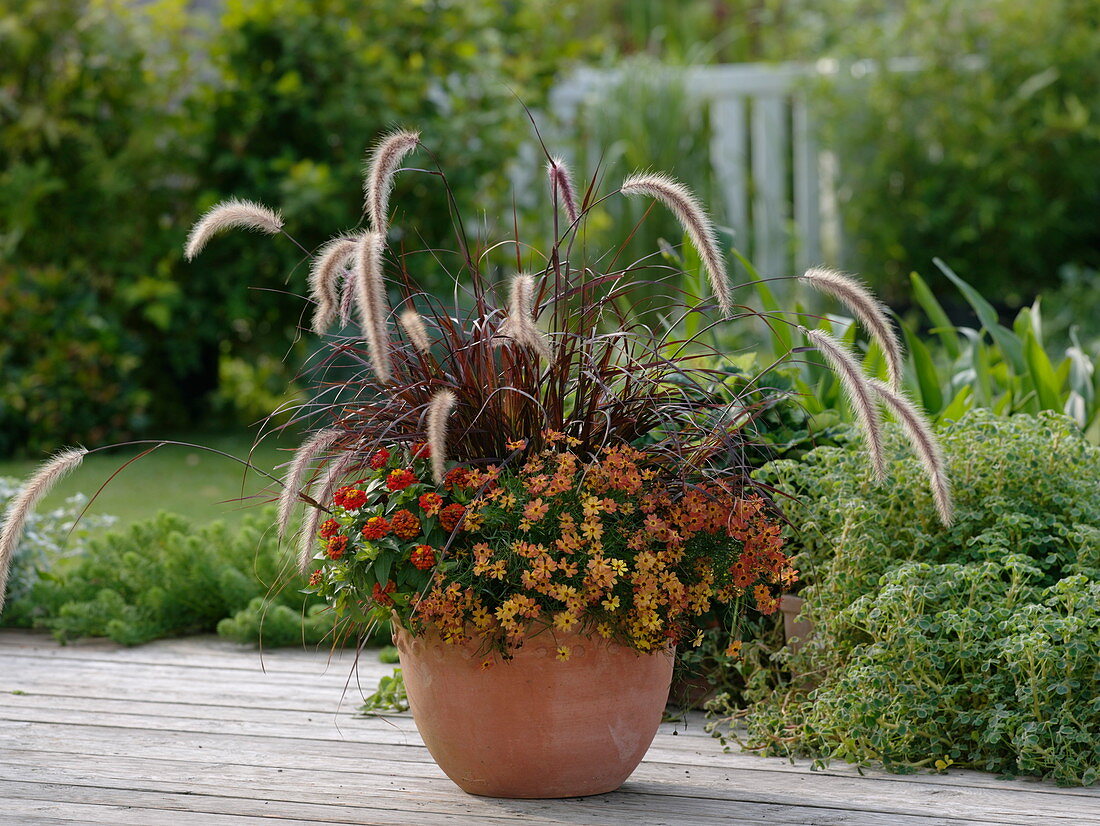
(534,510)
(405,524)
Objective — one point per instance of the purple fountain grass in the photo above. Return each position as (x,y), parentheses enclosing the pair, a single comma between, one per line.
(48,474)
(328,267)
(228,215)
(318,444)
(519,326)
(439,410)
(859,392)
(924,444)
(853,295)
(371,300)
(695,221)
(381,167)
(561,187)
(334,472)
(413,325)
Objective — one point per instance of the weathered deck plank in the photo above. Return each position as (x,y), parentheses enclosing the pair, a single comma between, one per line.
(196,731)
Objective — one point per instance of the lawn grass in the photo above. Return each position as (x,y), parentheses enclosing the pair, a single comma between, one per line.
(194,483)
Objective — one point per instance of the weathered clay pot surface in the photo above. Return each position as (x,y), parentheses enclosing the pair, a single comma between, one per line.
(535,727)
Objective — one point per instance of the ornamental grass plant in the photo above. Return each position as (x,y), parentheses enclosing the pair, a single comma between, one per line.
(528,451)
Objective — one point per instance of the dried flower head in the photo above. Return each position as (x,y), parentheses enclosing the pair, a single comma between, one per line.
(519,325)
(924,444)
(413,325)
(439,410)
(48,475)
(227,215)
(561,187)
(858,390)
(370,296)
(320,442)
(685,206)
(328,267)
(870,312)
(383,164)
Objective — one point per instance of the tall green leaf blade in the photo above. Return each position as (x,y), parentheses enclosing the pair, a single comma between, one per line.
(1008,341)
(928,380)
(1042,374)
(958,406)
(941,324)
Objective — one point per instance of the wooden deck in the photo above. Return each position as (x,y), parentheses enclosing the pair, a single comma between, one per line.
(199,731)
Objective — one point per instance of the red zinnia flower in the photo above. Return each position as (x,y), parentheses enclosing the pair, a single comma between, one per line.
(350,498)
(405,525)
(329,528)
(430,503)
(315,578)
(381,595)
(450,516)
(336,547)
(457,477)
(376,527)
(400,479)
(379,459)
(423,557)
(421,450)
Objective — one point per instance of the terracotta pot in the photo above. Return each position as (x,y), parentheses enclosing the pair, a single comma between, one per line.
(792,625)
(534,726)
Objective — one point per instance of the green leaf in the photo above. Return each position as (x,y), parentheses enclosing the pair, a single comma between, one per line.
(1009,343)
(928,380)
(1042,374)
(958,406)
(782,331)
(941,324)
(382,567)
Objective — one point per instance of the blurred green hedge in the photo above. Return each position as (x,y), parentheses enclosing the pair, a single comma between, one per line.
(986,155)
(120,124)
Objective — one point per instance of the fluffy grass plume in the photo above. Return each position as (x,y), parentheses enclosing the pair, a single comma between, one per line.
(561,187)
(519,326)
(371,300)
(313,447)
(413,325)
(228,215)
(48,475)
(307,534)
(853,295)
(924,444)
(439,410)
(324,280)
(383,163)
(858,390)
(695,221)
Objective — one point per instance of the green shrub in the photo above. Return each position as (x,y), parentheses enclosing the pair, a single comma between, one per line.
(164,578)
(987,155)
(974,644)
(49,538)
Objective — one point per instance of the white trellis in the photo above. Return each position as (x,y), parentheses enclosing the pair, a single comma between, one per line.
(776,183)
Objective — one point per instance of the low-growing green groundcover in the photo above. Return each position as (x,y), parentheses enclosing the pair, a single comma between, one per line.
(166,577)
(976,645)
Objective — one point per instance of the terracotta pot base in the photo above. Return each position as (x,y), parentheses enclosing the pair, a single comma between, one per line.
(534,726)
